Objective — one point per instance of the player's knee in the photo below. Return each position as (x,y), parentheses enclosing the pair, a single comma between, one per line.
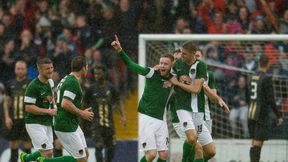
(151,155)
(163,155)
(209,153)
(192,140)
(198,150)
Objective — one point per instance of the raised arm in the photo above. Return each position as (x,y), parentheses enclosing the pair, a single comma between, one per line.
(127,60)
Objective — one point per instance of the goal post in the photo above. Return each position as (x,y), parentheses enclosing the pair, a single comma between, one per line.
(225,55)
(143,38)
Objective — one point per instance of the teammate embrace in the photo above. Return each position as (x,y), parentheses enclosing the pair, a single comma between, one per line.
(189,102)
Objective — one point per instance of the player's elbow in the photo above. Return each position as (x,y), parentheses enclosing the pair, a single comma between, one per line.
(64,103)
(28,108)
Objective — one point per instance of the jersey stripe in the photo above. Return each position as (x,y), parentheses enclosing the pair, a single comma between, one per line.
(150,74)
(29,100)
(69,94)
(194,97)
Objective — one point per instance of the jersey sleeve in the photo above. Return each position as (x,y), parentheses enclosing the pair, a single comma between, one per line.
(31,95)
(201,71)
(212,82)
(145,71)
(70,90)
(8,90)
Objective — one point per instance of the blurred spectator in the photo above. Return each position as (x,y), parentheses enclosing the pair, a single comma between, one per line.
(67,15)
(2,35)
(109,26)
(61,56)
(215,25)
(284,23)
(257,51)
(244,19)
(87,36)
(29,52)
(128,15)
(249,62)
(232,10)
(259,26)
(7,59)
(147,22)
(240,106)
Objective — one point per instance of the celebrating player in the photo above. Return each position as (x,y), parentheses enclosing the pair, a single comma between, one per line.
(39,112)
(153,131)
(69,102)
(190,99)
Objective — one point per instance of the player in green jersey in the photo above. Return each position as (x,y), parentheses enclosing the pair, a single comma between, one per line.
(153,131)
(39,112)
(69,102)
(190,99)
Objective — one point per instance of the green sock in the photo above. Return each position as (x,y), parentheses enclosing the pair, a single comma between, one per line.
(143,159)
(188,152)
(33,156)
(60,159)
(198,160)
(160,160)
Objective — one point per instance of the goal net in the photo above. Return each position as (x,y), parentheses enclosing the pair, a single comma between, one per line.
(232,59)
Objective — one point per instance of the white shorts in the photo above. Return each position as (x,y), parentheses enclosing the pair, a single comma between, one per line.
(205,137)
(190,120)
(73,142)
(208,124)
(41,136)
(180,131)
(153,134)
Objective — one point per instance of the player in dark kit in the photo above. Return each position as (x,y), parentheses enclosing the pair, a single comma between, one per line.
(14,111)
(261,101)
(102,97)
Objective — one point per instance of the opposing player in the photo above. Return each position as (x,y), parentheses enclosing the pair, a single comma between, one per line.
(103,97)
(69,102)
(261,101)
(153,131)
(39,112)
(190,99)
(14,111)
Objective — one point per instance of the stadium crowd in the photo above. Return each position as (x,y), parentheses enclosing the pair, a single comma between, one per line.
(62,29)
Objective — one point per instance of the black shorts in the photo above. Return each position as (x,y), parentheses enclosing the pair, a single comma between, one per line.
(104,137)
(258,130)
(18,131)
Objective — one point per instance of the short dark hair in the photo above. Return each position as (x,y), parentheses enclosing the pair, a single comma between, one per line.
(45,60)
(78,63)
(190,47)
(263,61)
(168,56)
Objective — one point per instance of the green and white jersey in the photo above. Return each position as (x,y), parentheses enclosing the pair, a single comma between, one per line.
(155,95)
(70,89)
(172,107)
(40,95)
(156,91)
(185,100)
(210,81)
